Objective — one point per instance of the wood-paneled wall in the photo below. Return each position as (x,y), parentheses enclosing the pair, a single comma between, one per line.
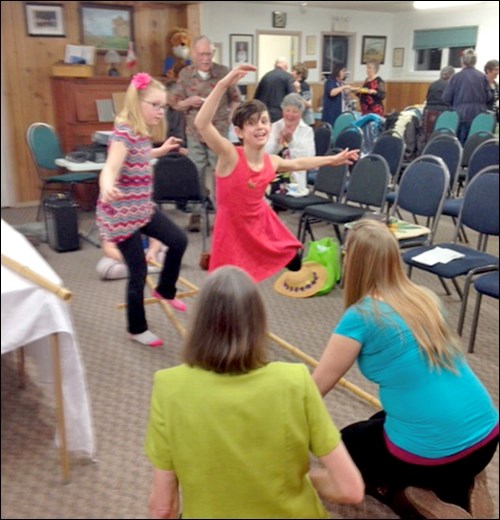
(27,63)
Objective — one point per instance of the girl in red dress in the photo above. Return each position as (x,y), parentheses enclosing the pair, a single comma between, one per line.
(247,232)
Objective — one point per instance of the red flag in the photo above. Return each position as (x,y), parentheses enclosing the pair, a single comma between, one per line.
(131,58)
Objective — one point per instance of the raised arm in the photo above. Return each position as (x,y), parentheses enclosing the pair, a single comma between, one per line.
(203,121)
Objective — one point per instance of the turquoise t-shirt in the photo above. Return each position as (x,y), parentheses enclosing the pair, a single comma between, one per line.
(431,412)
(239,444)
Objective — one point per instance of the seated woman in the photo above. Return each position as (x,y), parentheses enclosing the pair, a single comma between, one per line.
(233,431)
(439,427)
(112,267)
(291,138)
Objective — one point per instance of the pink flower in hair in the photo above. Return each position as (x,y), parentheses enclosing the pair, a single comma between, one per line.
(141,80)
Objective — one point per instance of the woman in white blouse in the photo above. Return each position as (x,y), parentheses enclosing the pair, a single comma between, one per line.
(290,132)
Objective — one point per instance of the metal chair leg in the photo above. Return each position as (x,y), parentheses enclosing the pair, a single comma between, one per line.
(463,308)
(475,319)
(445,287)
(458,288)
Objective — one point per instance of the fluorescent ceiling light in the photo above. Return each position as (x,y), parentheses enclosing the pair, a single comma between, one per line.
(434,4)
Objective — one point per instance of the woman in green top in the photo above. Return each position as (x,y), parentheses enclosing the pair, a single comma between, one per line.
(231,431)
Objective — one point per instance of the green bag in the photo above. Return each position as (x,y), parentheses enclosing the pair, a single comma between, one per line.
(327,253)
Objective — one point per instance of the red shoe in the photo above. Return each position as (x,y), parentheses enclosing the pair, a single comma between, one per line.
(175,303)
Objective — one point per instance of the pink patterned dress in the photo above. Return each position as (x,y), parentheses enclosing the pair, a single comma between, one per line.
(247,232)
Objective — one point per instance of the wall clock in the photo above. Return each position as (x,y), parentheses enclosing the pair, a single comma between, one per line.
(279,19)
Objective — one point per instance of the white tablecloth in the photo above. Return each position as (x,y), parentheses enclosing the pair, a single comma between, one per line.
(30,314)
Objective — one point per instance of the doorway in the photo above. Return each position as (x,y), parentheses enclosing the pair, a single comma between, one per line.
(272,45)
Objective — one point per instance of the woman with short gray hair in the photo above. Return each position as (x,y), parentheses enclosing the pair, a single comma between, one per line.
(372,93)
(291,136)
(468,93)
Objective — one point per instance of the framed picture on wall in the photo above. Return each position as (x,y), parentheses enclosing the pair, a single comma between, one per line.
(107,27)
(44,19)
(240,49)
(373,49)
(398,56)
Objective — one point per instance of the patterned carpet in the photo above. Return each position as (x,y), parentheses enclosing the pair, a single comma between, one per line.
(119,377)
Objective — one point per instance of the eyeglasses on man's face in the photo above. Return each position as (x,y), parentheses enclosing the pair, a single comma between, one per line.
(205,54)
(155,106)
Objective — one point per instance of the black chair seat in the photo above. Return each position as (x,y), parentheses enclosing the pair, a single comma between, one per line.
(336,211)
(295,203)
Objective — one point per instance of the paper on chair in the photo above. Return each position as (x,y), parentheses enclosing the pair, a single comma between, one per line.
(438,255)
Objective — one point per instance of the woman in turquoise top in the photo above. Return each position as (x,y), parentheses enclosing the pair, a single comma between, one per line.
(439,427)
(232,430)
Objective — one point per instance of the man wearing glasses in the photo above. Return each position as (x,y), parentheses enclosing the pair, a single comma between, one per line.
(194,84)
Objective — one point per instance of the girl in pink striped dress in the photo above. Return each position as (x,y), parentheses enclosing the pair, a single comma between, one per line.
(125,209)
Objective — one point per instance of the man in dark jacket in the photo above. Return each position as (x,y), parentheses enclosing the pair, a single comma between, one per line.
(273,87)
(468,93)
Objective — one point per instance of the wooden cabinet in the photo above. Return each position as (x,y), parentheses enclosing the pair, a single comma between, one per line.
(76,108)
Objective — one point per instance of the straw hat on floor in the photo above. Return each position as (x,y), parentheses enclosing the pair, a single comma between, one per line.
(304,283)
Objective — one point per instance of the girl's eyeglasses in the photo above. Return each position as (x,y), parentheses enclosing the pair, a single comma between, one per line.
(156,106)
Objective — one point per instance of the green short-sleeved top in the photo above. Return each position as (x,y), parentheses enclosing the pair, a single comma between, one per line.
(239,444)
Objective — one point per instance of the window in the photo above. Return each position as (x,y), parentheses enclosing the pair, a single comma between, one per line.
(335,48)
(436,48)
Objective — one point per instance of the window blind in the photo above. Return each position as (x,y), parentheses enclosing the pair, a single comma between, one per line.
(442,38)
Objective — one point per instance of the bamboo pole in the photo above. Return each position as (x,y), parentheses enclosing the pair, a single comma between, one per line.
(36,278)
(279,341)
(167,309)
(311,361)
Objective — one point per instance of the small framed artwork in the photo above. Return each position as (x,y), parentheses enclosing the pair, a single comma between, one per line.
(310,45)
(217,55)
(398,56)
(44,19)
(240,49)
(279,19)
(107,27)
(373,49)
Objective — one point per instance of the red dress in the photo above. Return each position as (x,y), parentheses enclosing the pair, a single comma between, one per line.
(247,232)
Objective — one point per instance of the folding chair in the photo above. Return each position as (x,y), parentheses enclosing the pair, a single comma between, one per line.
(486,284)
(479,212)
(422,190)
(176,181)
(367,190)
(45,148)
